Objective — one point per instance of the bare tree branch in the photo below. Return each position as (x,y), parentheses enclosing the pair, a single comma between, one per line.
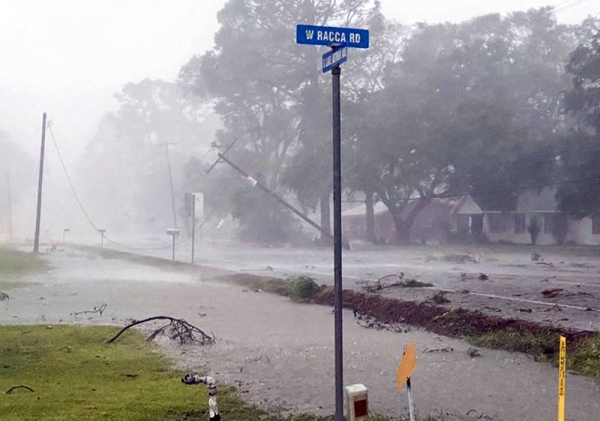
(176,329)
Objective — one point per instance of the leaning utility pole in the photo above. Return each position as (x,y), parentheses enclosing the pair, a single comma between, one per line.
(38,216)
(272,194)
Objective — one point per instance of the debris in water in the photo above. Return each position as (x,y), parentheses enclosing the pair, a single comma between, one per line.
(552,293)
(440,298)
(473,352)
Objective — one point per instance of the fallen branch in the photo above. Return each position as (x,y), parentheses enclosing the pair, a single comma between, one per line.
(443,350)
(9,391)
(370,323)
(176,329)
(386,282)
(98,310)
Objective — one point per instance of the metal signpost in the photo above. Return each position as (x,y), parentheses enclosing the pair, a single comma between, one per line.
(197,211)
(174,233)
(339,39)
(102,232)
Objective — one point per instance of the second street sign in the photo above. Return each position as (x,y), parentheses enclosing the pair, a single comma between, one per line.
(335,57)
(330,36)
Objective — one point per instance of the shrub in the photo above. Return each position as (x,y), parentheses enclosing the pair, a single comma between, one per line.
(302,288)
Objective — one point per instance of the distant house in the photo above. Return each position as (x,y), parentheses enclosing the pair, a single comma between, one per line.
(471,219)
(465,220)
(431,225)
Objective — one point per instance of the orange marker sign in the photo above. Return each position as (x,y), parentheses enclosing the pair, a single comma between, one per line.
(407,365)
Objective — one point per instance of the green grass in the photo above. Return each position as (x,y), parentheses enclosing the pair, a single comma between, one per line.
(75,375)
(14,262)
(582,357)
(543,345)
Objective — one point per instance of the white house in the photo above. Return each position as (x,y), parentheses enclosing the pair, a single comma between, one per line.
(512,226)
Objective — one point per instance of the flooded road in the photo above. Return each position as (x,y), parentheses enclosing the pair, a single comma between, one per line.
(280,354)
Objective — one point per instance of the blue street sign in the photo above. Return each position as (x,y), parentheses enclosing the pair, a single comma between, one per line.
(335,57)
(329,35)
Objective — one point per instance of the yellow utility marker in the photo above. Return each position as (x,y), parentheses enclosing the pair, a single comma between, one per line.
(562,378)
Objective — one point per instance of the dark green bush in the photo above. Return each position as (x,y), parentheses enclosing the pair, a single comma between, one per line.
(302,288)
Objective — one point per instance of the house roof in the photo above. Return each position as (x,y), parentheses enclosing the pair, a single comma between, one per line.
(544,200)
(361,210)
(528,201)
(380,208)
(467,206)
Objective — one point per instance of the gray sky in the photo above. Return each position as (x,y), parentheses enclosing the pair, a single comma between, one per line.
(68,57)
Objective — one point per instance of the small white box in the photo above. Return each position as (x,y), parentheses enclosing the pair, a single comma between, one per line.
(357,403)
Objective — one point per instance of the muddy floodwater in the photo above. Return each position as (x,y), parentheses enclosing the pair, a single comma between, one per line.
(279,354)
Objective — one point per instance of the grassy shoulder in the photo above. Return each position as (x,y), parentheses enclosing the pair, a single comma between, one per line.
(75,375)
(14,264)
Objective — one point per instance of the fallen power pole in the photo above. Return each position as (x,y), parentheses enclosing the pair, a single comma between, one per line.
(270,193)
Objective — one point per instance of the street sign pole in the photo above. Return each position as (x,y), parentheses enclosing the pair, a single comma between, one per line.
(411,405)
(337,244)
(339,39)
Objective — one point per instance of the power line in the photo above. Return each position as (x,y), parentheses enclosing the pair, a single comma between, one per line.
(568,6)
(562,3)
(62,163)
(86,214)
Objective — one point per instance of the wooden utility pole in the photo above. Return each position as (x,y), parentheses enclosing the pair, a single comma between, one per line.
(275,196)
(9,205)
(171,184)
(38,216)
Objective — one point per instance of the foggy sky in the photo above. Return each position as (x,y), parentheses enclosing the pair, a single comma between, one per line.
(68,57)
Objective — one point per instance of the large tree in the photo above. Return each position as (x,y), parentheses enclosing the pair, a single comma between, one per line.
(135,152)
(458,110)
(268,92)
(580,191)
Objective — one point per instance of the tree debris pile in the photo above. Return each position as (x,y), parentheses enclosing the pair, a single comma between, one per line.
(393,281)
(176,329)
(458,323)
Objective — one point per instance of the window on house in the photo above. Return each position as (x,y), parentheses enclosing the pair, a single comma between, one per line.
(596,225)
(462,223)
(549,223)
(519,223)
(497,222)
